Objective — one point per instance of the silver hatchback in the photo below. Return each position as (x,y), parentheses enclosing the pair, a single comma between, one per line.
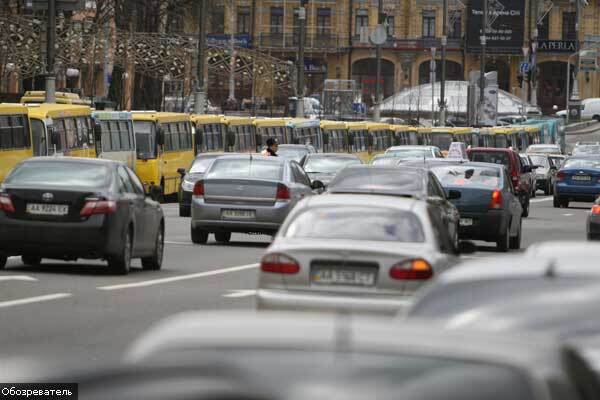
(362,253)
(247,194)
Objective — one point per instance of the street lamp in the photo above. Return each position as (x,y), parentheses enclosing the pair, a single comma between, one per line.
(575,97)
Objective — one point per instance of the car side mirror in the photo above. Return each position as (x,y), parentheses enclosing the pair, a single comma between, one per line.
(535,166)
(553,168)
(467,247)
(527,169)
(454,195)
(181,171)
(317,185)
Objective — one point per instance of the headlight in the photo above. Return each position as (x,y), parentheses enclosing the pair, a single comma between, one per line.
(187,186)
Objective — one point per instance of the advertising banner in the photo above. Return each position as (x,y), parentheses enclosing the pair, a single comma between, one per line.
(506,26)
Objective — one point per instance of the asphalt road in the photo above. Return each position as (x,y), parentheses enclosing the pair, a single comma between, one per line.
(74,313)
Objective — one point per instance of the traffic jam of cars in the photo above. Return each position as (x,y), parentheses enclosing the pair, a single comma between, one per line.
(369,279)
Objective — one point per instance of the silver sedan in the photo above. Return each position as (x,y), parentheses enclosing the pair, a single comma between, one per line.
(361,253)
(248,194)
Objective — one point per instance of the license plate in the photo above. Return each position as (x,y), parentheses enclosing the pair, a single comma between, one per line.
(238,214)
(337,276)
(47,209)
(584,178)
(466,222)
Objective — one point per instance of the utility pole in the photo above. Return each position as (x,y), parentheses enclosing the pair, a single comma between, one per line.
(575,95)
(442,119)
(200,98)
(232,51)
(50,53)
(378,97)
(534,45)
(300,69)
(483,55)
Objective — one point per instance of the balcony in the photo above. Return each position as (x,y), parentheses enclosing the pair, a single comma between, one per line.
(412,44)
(289,41)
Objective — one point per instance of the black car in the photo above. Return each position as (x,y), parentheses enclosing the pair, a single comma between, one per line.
(325,166)
(70,208)
(404,182)
(593,222)
(489,208)
(189,179)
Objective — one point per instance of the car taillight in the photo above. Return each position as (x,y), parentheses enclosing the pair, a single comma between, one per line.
(596,209)
(279,264)
(283,192)
(560,176)
(95,206)
(198,189)
(412,270)
(6,203)
(496,201)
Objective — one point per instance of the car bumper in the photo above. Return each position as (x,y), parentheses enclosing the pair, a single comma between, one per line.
(280,300)
(86,239)
(576,193)
(268,219)
(486,227)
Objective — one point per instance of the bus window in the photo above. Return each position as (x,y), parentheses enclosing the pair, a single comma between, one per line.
(115,137)
(39,138)
(145,139)
(124,134)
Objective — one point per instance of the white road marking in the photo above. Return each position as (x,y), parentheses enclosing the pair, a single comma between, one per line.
(37,299)
(23,278)
(180,243)
(234,294)
(568,215)
(178,278)
(541,200)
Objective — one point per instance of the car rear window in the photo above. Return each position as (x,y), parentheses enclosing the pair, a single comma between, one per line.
(377,180)
(357,223)
(543,149)
(200,165)
(410,153)
(492,157)
(245,168)
(460,175)
(586,149)
(540,160)
(582,163)
(62,174)
(328,165)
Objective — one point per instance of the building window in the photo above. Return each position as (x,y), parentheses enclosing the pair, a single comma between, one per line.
(455,25)
(323,21)
(361,21)
(568,27)
(389,25)
(217,22)
(544,28)
(243,20)
(429,23)
(276,19)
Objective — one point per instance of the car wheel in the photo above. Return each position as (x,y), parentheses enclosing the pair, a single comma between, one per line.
(223,237)
(503,241)
(154,263)
(122,263)
(556,202)
(525,213)
(547,190)
(199,236)
(31,260)
(3,260)
(185,212)
(564,204)
(515,242)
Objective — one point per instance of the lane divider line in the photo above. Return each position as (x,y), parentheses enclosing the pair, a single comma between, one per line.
(235,294)
(541,200)
(178,278)
(23,278)
(37,299)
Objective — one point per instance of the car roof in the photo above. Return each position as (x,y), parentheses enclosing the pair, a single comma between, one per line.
(360,199)
(74,160)
(298,146)
(491,150)
(333,155)
(205,330)
(412,147)
(280,160)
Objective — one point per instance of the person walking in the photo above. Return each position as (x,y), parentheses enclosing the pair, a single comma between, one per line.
(271,150)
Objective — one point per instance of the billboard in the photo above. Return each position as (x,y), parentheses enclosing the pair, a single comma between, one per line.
(506,30)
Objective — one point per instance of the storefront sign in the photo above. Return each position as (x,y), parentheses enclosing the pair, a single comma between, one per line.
(556,46)
(225,40)
(506,32)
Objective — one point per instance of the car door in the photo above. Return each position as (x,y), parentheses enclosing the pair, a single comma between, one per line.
(136,209)
(450,209)
(301,185)
(151,212)
(514,204)
(438,200)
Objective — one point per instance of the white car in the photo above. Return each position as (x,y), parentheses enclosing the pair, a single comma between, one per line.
(590,109)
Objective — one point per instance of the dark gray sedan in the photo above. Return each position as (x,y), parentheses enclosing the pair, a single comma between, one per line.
(247,194)
(189,179)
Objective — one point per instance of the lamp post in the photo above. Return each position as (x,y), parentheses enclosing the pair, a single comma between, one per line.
(442,119)
(200,97)
(483,55)
(50,53)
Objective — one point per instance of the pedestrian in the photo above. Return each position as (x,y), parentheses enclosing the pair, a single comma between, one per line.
(271,150)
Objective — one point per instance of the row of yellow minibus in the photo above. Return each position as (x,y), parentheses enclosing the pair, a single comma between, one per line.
(157,144)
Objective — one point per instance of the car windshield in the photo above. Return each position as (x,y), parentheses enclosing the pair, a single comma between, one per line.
(60,174)
(463,175)
(351,223)
(540,160)
(586,149)
(492,157)
(442,140)
(582,163)
(292,153)
(245,168)
(377,180)
(328,165)
(410,153)
(201,164)
(145,139)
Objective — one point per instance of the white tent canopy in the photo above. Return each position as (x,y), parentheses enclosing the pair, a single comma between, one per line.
(419,99)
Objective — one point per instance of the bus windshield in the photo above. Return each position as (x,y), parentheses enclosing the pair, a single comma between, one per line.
(145,139)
